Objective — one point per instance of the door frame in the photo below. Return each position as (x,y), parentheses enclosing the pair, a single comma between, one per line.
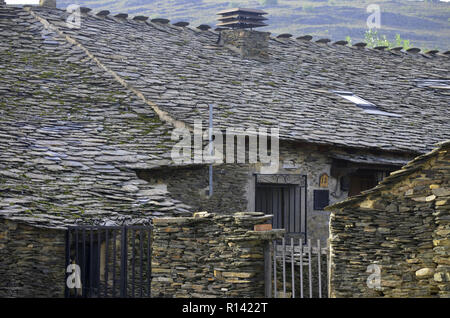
(287,180)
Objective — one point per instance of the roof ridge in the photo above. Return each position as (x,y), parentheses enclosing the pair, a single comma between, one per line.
(164,116)
(412,52)
(284,38)
(106,14)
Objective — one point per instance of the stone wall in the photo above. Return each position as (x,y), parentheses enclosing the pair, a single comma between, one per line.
(202,256)
(234,184)
(31,261)
(209,255)
(403,227)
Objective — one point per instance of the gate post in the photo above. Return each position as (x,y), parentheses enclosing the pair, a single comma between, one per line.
(267,270)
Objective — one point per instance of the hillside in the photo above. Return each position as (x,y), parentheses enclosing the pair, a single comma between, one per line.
(426,24)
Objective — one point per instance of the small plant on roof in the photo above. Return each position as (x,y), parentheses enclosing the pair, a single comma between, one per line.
(373,39)
(348,39)
(401,42)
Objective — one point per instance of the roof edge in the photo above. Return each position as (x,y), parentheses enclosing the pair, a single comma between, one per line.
(406,170)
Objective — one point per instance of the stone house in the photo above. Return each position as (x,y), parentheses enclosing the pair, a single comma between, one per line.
(88,111)
(398,230)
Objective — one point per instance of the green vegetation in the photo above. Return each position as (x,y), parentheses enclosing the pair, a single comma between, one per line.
(373,39)
(348,39)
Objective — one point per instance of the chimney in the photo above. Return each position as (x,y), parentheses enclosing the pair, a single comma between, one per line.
(47,3)
(239,35)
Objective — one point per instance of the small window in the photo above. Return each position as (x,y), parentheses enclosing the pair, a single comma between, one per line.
(355,99)
(368,107)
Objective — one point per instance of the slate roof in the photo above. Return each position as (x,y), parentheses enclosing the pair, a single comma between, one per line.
(70,134)
(81,108)
(414,165)
(182,71)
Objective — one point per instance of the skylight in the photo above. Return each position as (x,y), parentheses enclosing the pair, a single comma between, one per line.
(357,100)
(367,107)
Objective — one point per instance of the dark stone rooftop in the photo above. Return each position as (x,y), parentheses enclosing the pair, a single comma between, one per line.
(80,109)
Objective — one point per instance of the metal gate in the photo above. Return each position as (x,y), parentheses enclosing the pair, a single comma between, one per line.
(296,269)
(108,261)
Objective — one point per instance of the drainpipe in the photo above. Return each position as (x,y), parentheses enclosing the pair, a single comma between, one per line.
(211,150)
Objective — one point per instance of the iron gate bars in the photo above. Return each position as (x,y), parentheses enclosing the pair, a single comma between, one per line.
(295,269)
(108,261)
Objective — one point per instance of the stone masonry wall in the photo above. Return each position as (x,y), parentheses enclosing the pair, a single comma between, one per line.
(209,256)
(31,261)
(234,184)
(404,229)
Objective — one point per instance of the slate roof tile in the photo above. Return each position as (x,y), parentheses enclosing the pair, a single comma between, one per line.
(83,107)
(68,132)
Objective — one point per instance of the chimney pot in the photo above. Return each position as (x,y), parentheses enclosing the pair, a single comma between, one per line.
(246,42)
(47,3)
(240,18)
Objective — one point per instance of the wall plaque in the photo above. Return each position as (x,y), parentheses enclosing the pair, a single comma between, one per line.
(323,182)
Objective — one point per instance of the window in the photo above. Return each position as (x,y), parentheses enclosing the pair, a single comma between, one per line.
(357,100)
(367,107)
